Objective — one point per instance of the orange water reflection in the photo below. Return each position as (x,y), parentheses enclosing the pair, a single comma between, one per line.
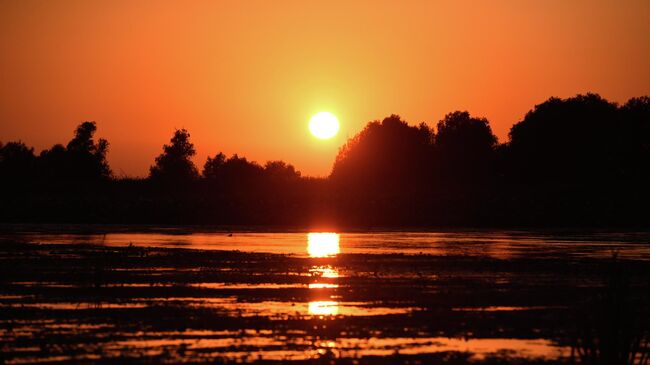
(323,286)
(323,244)
(497,244)
(324,308)
(324,272)
(319,245)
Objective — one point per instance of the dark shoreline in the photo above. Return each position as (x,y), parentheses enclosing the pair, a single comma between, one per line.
(575,162)
(180,229)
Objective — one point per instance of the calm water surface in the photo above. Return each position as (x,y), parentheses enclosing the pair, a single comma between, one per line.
(380,297)
(499,244)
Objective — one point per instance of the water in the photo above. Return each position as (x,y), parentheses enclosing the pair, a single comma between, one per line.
(378,297)
(496,244)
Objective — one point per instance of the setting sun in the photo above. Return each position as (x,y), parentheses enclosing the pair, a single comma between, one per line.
(324,125)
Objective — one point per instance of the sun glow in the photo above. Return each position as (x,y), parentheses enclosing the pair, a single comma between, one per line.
(323,244)
(324,125)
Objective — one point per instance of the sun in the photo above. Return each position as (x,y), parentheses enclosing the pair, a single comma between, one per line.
(324,125)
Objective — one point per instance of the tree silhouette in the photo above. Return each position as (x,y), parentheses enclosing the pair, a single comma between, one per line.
(464,147)
(636,137)
(575,139)
(576,161)
(88,158)
(174,165)
(241,175)
(280,172)
(83,161)
(213,166)
(16,163)
(53,164)
(388,156)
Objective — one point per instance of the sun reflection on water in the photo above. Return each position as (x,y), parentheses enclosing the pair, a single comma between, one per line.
(320,245)
(323,308)
(324,272)
(323,286)
(323,244)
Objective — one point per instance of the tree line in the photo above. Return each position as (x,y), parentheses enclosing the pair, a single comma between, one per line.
(580,161)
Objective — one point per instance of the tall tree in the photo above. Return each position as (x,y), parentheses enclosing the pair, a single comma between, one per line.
(87,158)
(175,164)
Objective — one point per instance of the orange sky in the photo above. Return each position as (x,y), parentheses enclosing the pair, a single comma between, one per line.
(245,76)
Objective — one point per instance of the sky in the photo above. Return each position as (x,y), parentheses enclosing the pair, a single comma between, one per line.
(246,76)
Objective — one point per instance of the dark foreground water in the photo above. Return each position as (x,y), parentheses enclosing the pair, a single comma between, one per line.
(112,296)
